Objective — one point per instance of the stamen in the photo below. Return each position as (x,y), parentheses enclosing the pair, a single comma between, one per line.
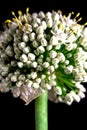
(20,13)
(78,14)
(8,22)
(25,19)
(59,12)
(27,10)
(79,19)
(17,20)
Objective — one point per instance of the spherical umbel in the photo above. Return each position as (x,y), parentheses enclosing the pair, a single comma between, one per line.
(44,51)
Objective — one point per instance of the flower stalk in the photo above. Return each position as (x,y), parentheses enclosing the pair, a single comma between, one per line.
(41,112)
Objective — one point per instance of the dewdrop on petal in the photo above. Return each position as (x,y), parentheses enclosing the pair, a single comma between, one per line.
(44,51)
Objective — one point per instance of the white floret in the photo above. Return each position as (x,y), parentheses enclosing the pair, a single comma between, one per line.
(40,30)
(3,87)
(38,21)
(34,64)
(35,44)
(53,40)
(43,42)
(38,80)
(31,56)
(45,64)
(9,51)
(40,36)
(58,46)
(56,17)
(53,76)
(71,38)
(58,90)
(19,83)
(39,68)
(29,83)
(26,50)
(51,69)
(48,15)
(34,15)
(35,85)
(78,78)
(48,86)
(13,78)
(68,69)
(40,49)
(24,58)
(85,65)
(52,54)
(33,75)
(15,92)
(69,46)
(13,63)
(61,57)
(43,76)
(81,94)
(52,83)
(75,96)
(80,87)
(25,38)
(49,47)
(21,45)
(44,25)
(49,23)
(22,77)
(20,64)
(32,36)
(85,32)
(41,14)
(68,99)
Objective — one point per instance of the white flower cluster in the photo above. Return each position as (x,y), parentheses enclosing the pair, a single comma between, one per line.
(44,51)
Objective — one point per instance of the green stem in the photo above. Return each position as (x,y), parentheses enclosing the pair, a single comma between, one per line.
(41,112)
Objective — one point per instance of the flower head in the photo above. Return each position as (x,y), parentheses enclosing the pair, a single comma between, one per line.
(44,51)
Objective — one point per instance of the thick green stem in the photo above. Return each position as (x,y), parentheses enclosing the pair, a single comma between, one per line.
(41,112)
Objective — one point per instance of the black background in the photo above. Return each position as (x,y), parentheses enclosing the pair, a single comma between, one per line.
(13,113)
